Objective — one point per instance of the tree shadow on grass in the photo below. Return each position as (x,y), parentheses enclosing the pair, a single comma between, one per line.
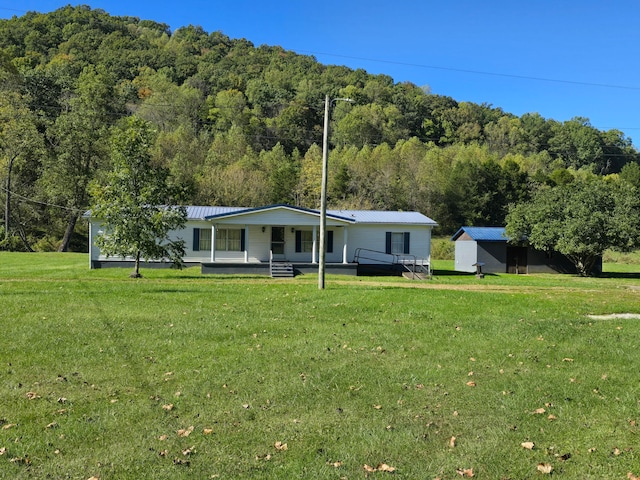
(453,273)
(621,275)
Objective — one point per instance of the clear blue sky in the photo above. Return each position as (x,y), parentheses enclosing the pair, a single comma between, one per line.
(560,58)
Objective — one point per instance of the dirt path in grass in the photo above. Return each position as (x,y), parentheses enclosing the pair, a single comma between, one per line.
(479,287)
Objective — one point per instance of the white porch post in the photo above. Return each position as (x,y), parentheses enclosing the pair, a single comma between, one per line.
(345,236)
(246,244)
(314,259)
(213,243)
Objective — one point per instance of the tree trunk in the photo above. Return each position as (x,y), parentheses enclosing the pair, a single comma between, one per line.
(136,271)
(66,240)
(7,205)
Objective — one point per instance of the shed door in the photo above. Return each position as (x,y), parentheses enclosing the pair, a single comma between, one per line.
(516,260)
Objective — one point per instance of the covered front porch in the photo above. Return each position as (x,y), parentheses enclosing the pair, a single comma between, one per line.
(275,234)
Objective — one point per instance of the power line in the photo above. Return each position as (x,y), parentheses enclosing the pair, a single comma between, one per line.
(476,72)
(38,202)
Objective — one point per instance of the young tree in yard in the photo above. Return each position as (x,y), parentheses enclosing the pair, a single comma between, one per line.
(136,205)
(580,220)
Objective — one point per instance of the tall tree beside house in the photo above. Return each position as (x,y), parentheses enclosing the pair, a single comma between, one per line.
(138,204)
(77,141)
(580,220)
(20,147)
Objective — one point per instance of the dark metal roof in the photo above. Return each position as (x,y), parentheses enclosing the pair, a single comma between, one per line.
(483,234)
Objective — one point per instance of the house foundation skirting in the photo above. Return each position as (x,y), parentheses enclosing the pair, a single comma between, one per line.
(131,264)
(230,268)
(263,268)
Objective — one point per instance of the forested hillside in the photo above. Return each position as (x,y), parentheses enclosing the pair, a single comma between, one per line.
(239,124)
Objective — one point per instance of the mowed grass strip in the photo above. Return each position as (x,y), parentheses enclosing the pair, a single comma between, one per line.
(178,375)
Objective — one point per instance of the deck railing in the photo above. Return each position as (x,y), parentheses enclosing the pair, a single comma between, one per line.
(411,263)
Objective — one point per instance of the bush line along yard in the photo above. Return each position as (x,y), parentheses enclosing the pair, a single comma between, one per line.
(179,375)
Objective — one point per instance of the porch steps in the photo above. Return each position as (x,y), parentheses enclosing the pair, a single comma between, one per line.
(282,270)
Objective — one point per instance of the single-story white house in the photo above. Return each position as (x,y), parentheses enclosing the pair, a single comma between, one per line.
(252,240)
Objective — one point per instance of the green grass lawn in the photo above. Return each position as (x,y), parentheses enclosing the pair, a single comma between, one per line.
(179,375)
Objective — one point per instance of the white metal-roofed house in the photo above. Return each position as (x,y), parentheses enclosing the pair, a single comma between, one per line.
(251,240)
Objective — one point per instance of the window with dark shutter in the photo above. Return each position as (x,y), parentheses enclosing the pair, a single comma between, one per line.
(330,241)
(196,239)
(298,241)
(387,248)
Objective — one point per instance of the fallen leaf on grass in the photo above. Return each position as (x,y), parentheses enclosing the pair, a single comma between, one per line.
(20,460)
(336,464)
(281,446)
(94,478)
(539,411)
(185,432)
(471,384)
(382,467)
(378,407)
(9,425)
(266,457)
(552,417)
(188,451)
(32,395)
(53,425)
(3,450)
(465,472)
(452,442)
(207,431)
(528,445)
(168,407)
(545,468)
(616,451)
(162,438)
(632,476)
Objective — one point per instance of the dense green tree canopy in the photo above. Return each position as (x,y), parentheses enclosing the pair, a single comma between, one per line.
(242,125)
(581,220)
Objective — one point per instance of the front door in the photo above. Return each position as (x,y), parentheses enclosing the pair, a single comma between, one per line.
(517,260)
(277,243)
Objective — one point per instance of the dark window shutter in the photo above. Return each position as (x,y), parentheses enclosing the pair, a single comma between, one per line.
(387,248)
(406,242)
(196,239)
(243,241)
(330,241)
(298,241)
